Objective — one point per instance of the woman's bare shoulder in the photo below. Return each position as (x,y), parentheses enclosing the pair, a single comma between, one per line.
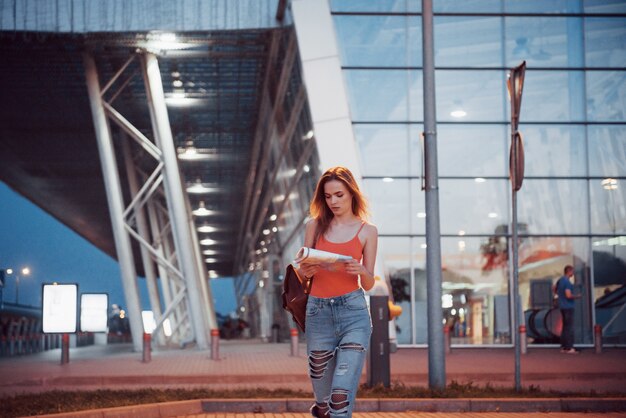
(369,230)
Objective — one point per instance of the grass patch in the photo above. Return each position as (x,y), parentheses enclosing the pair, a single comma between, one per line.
(67,401)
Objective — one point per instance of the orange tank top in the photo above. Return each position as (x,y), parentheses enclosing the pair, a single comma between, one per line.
(328,284)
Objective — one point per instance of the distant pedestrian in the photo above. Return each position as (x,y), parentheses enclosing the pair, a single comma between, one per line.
(565,296)
(338,323)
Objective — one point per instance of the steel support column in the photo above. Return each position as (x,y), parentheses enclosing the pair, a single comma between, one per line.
(144,231)
(115,202)
(176,198)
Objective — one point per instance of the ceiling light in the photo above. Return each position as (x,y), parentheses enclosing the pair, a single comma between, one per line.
(200,188)
(421,214)
(210,260)
(423,246)
(273,217)
(461,232)
(480,180)
(209,252)
(458,113)
(492,215)
(177,83)
(306,168)
(274,229)
(212,274)
(203,211)
(388,179)
(266,232)
(207,241)
(206,228)
(308,135)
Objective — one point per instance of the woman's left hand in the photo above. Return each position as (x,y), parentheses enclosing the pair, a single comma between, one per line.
(354,267)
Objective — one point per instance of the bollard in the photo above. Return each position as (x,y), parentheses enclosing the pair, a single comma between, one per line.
(147,348)
(65,348)
(215,344)
(523,342)
(447,339)
(294,343)
(597,338)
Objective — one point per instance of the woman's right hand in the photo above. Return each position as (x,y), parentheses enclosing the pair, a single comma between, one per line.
(309,270)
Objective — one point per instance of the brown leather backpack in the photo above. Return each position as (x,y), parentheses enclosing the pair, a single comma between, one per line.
(295,296)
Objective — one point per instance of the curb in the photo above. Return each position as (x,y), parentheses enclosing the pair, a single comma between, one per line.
(278,406)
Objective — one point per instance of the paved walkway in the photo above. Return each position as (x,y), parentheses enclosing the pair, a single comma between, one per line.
(252,364)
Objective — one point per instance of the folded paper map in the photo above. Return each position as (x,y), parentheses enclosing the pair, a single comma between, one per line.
(328,260)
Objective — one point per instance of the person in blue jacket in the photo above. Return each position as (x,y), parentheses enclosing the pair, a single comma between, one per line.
(566,297)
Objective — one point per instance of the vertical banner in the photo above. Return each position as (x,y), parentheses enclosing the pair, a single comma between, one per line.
(59,308)
(94,312)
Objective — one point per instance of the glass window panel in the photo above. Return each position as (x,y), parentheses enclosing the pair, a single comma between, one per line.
(468,41)
(604,6)
(554,206)
(377,95)
(542,6)
(608,206)
(609,278)
(607,150)
(418,208)
(383,149)
(605,42)
(415,149)
(389,205)
(471,6)
(472,150)
(464,95)
(372,40)
(396,6)
(554,150)
(420,317)
(553,96)
(416,95)
(472,207)
(542,260)
(606,95)
(475,298)
(544,41)
(394,255)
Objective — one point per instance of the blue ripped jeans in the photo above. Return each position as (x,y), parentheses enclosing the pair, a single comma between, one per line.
(338,331)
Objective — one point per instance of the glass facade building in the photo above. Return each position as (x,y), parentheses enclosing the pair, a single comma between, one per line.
(571,208)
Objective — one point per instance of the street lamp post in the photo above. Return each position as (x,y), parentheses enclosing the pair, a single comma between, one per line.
(24,272)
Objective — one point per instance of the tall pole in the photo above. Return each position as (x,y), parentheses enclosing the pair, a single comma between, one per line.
(436,354)
(515,85)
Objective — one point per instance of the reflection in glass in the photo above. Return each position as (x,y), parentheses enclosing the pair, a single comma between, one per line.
(383,149)
(609,292)
(394,255)
(472,150)
(476,206)
(607,150)
(473,41)
(604,42)
(553,96)
(476,292)
(544,42)
(472,95)
(542,260)
(395,6)
(554,206)
(606,95)
(377,95)
(372,40)
(608,206)
(605,6)
(387,200)
(554,150)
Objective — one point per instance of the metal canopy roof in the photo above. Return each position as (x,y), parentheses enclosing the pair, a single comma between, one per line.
(48,149)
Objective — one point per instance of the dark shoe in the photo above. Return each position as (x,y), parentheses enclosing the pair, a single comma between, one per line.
(570,351)
(315,412)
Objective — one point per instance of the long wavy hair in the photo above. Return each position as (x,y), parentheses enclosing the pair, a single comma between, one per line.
(320,211)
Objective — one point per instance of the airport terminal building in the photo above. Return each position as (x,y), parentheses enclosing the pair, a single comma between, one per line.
(185,138)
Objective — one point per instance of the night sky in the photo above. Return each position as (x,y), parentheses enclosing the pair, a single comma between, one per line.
(29,237)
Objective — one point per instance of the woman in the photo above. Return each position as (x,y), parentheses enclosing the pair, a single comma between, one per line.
(338,324)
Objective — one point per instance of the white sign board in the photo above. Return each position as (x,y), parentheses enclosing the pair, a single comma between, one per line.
(149,323)
(94,312)
(59,308)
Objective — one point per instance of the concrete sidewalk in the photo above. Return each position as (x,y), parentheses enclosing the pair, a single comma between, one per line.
(252,364)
